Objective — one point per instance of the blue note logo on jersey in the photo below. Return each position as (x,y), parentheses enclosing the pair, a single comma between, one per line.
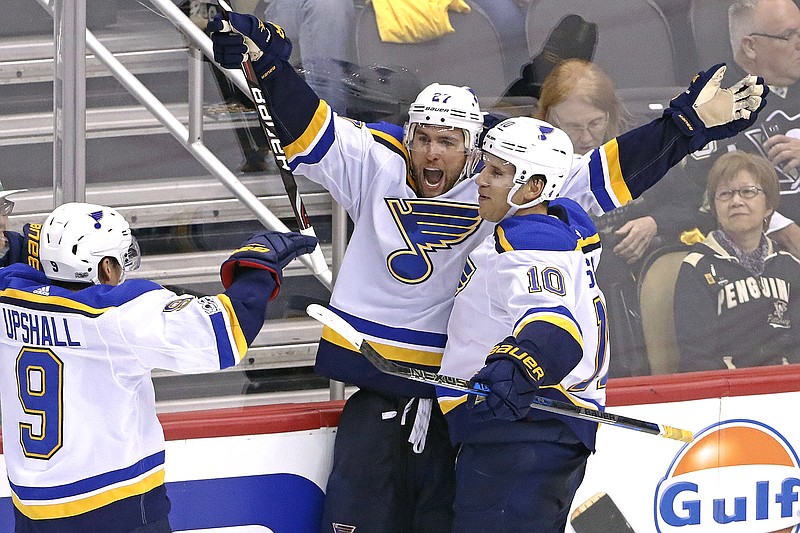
(427,226)
(544,131)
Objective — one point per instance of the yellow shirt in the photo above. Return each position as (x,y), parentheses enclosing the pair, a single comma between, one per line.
(415,21)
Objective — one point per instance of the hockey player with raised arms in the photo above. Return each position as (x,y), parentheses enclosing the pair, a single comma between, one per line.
(83,447)
(528,318)
(413,199)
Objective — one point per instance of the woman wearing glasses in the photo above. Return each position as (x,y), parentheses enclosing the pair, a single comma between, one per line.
(580,98)
(734,298)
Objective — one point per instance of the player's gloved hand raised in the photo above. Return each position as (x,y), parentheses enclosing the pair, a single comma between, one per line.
(241,35)
(268,250)
(512,375)
(718,113)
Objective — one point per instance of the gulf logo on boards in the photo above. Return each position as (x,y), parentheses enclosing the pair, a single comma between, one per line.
(737,476)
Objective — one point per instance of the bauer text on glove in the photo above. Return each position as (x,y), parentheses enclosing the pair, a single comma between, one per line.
(513,375)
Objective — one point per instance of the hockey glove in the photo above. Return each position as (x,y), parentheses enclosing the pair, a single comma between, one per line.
(513,376)
(269,250)
(244,35)
(717,113)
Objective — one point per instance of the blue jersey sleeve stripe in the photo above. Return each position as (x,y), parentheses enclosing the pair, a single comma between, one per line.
(408,336)
(557,316)
(319,122)
(90,484)
(589,243)
(615,177)
(236,328)
(224,348)
(597,181)
(321,148)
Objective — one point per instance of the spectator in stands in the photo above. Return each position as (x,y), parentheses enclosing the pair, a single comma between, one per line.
(734,305)
(765,41)
(580,98)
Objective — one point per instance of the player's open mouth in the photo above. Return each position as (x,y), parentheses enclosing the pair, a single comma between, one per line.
(432,177)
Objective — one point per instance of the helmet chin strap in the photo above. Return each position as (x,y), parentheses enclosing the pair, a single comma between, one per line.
(513,207)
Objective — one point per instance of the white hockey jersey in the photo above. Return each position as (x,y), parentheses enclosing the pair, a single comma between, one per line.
(533,278)
(403,261)
(402,264)
(78,404)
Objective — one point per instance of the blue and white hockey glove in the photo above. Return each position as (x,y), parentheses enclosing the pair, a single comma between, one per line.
(704,108)
(269,250)
(233,39)
(513,376)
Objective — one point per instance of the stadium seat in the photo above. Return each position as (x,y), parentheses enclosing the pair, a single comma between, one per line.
(656,299)
(470,56)
(709,21)
(634,41)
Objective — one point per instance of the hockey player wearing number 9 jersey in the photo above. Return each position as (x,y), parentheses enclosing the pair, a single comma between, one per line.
(412,197)
(83,447)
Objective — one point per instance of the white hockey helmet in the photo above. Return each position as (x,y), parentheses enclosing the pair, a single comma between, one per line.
(77,236)
(534,147)
(451,107)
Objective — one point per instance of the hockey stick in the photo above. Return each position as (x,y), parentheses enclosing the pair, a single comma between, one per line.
(351,335)
(318,263)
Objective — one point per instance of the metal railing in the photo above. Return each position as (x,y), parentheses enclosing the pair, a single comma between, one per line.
(188,129)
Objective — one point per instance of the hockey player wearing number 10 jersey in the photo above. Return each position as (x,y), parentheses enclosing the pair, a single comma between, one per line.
(528,299)
(412,197)
(83,447)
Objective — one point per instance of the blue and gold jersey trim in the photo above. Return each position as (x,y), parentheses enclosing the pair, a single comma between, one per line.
(382,133)
(226,355)
(136,479)
(449,400)
(315,141)
(588,244)
(53,304)
(35,292)
(606,179)
(565,227)
(422,348)
(557,316)
(558,392)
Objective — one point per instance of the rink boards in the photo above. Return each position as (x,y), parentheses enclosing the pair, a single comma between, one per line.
(263,469)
